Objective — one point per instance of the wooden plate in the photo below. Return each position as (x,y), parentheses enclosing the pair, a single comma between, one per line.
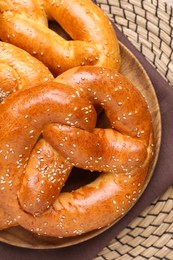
(132,69)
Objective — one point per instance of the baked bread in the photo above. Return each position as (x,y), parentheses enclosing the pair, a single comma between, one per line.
(60,115)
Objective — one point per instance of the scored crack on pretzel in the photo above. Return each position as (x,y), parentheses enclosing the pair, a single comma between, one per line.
(19,70)
(63,112)
(25,24)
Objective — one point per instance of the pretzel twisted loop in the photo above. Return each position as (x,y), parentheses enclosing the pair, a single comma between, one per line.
(25,24)
(62,111)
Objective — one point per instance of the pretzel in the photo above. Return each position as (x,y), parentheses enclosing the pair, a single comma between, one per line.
(63,111)
(25,24)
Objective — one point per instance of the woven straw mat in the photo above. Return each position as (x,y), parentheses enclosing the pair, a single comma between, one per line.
(148,25)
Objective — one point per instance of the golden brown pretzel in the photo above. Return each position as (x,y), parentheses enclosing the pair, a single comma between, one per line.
(122,153)
(25,24)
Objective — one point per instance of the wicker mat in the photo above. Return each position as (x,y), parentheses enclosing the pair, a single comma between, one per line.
(148,25)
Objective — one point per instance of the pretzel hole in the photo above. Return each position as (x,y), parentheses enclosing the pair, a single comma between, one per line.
(54,26)
(78,178)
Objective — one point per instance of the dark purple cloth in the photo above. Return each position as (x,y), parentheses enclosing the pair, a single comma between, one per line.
(161,180)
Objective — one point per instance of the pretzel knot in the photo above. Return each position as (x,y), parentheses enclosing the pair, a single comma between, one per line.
(92,39)
(51,128)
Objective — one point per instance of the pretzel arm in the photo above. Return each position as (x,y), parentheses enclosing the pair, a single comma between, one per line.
(86,21)
(103,150)
(46,174)
(116,95)
(94,205)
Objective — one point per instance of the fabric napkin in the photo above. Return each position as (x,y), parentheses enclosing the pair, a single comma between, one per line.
(161,180)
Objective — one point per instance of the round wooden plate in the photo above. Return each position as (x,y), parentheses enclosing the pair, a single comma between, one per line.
(132,69)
